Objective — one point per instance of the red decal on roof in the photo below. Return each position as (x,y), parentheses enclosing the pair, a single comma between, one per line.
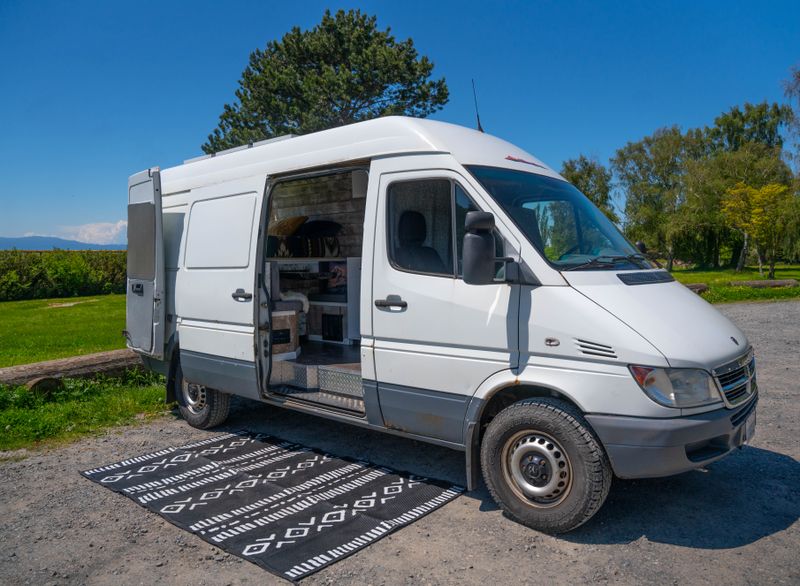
(518,160)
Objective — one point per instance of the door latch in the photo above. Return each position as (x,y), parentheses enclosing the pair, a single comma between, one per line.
(241,295)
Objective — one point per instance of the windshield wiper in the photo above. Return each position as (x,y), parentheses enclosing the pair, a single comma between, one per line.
(608,261)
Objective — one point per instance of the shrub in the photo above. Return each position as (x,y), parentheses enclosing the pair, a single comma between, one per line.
(60,273)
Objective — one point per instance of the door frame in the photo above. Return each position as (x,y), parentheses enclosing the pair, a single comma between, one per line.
(262,344)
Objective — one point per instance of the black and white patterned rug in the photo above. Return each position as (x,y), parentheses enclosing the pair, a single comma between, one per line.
(288,508)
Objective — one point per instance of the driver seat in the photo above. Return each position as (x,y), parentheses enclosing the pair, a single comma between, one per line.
(412,230)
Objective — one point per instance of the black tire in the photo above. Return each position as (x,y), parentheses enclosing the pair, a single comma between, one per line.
(544,466)
(200,406)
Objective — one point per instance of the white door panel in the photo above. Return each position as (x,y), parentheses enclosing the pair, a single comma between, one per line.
(218,259)
(450,336)
(144,307)
(235,341)
(436,367)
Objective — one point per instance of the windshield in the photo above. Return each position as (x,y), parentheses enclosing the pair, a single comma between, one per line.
(561,222)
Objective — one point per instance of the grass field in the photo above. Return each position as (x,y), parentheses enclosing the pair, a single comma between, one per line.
(45,329)
(721,292)
(29,420)
(57,328)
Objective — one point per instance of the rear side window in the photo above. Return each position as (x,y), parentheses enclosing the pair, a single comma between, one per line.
(142,241)
(420,218)
(219,232)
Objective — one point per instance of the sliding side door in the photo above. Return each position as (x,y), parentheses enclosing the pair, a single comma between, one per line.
(215,288)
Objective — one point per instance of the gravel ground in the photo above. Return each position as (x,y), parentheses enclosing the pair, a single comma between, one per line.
(736,522)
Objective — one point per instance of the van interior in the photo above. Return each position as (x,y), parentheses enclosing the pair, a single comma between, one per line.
(311,282)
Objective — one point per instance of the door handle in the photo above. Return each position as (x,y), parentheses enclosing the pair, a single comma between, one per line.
(391,301)
(137,288)
(240,295)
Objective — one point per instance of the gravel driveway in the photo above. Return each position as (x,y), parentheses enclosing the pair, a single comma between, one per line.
(736,522)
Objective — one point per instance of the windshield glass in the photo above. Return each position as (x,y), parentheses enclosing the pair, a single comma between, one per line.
(561,222)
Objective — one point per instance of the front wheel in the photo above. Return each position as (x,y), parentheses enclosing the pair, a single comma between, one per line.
(544,466)
(200,406)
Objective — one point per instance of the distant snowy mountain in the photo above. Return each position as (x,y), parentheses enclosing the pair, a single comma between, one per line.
(51,242)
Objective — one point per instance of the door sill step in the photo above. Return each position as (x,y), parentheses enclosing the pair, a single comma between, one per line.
(340,379)
(321,397)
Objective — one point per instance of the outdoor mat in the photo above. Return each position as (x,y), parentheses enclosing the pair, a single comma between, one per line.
(289,508)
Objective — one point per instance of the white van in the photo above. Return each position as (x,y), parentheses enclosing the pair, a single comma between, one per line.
(440,284)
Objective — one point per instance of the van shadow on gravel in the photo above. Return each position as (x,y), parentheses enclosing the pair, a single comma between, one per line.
(749,495)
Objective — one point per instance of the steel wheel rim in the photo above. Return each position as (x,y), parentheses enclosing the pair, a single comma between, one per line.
(194,396)
(536,468)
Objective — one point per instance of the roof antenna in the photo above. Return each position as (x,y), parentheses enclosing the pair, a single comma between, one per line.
(475,99)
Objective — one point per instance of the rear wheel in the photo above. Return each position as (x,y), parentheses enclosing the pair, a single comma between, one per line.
(544,466)
(201,406)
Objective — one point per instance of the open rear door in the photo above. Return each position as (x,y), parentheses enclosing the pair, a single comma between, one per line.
(144,314)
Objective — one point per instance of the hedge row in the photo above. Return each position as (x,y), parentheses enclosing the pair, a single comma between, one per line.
(60,273)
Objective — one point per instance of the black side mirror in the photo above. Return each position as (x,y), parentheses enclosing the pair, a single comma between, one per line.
(479,260)
(641,246)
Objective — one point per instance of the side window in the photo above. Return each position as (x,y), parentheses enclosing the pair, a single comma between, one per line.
(142,241)
(464,205)
(420,226)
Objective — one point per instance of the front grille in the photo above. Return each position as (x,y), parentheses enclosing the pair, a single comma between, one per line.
(737,379)
(739,417)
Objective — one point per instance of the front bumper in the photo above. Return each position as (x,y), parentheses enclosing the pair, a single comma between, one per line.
(649,447)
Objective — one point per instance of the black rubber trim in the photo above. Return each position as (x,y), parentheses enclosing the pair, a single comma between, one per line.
(647,278)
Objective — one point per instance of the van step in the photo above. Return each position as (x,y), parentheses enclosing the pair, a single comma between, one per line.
(338,385)
(322,398)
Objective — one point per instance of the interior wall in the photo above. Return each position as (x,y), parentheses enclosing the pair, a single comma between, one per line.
(324,198)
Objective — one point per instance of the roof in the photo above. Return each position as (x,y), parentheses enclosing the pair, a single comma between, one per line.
(390,135)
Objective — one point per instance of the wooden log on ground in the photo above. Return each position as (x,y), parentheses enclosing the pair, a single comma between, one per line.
(764,283)
(698,287)
(113,362)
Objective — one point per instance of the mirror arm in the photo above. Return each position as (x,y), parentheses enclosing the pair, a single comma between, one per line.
(518,273)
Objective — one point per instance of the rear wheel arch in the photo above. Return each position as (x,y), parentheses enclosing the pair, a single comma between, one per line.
(200,406)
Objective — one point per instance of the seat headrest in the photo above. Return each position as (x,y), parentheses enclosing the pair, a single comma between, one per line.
(411,228)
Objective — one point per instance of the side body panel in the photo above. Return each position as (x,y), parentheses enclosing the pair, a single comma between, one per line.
(215,283)
(431,355)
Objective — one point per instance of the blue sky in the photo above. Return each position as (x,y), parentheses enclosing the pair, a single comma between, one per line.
(91,92)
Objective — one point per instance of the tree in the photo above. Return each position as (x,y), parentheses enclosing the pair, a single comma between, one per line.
(792,91)
(593,179)
(343,70)
(763,214)
(706,181)
(649,172)
(760,123)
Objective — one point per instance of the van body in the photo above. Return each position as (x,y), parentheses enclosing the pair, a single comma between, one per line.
(437,283)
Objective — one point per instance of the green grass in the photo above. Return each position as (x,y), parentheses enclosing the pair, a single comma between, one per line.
(45,329)
(81,407)
(721,292)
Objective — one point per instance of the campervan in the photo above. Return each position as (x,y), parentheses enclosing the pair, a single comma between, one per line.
(437,283)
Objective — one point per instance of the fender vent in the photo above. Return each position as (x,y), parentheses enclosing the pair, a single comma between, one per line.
(595,349)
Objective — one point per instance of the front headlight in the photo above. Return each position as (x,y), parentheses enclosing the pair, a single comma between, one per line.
(677,387)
